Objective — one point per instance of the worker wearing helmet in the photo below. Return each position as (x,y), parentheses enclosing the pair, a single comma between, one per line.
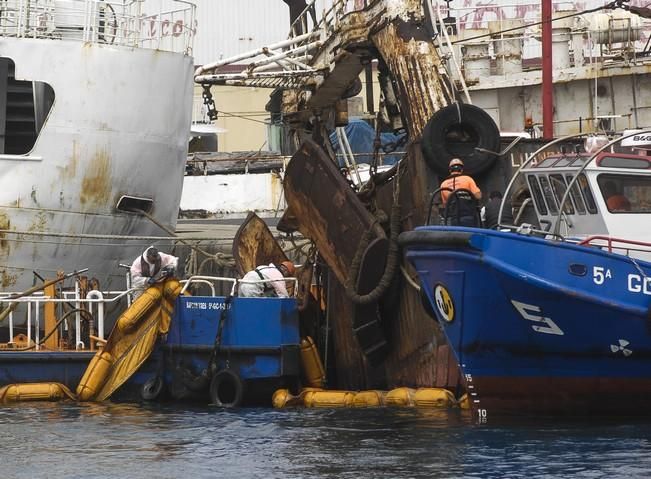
(151,267)
(457,181)
(267,280)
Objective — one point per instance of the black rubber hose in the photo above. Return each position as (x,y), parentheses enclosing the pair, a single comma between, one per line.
(393,258)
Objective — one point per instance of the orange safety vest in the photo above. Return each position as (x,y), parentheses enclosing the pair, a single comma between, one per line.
(458,182)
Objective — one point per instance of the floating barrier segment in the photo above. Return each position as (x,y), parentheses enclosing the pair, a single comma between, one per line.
(399,397)
(35,392)
(127,348)
(313,371)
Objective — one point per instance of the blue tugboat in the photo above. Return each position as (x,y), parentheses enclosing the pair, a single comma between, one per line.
(227,351)
(546,324)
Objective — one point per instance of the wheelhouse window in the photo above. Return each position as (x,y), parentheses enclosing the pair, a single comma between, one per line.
(590,204)
(549,195)
(576,195)
(24,107)
(559,187)
(626,193)
(536,192)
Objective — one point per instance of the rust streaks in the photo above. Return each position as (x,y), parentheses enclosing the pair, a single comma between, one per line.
(96,183)
(7,279)
(5,224)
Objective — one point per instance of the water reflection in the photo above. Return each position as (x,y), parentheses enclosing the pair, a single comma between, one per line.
(127,440)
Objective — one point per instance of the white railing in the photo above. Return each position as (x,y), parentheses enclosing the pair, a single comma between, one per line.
(95,303)
(124,23)
(211,280)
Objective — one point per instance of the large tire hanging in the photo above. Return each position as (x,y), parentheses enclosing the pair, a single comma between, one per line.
(454,132)
(226,389)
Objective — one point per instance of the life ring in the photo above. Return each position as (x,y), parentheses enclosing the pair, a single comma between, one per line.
(455,131)
(152,389)
(226,389)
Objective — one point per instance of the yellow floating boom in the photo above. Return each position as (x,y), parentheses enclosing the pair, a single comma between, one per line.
(402,397)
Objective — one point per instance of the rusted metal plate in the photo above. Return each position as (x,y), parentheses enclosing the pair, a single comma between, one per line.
(329,212)
(419,75)
(254,244)
(327,209)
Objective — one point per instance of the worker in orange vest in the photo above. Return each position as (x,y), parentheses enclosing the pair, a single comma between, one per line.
(458,181)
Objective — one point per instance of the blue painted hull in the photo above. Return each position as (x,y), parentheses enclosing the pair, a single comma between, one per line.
(539,326)
(260,343)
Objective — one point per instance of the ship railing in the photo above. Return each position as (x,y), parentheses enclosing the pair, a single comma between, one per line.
(234,283)
(327,22)
(124,23)
(95,303)
(617,245)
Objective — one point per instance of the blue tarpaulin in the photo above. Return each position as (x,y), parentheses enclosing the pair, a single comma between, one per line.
(361,136)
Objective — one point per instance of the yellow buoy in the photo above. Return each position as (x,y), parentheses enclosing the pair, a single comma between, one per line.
(35,392)
(130,318)
(312,365)
(433,397)
(282,398)
(95,376)
(369,399)
(400,397)
(464,402)
(329,398)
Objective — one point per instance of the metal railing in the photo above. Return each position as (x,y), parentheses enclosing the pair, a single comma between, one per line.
(211,280)
(95,303)
(105,22)
(617,245)
(289,62)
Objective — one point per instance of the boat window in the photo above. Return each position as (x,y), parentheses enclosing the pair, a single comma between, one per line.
(547,162)
(626,193)
(559,187)
(587,194)
(576,196)
(563,162)
(549,195)
(579,160)
(537,194)
(617,162)
(24,111)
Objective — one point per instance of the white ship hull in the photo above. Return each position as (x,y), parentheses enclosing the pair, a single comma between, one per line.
(118,126)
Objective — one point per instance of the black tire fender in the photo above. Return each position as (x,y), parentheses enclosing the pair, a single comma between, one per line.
(152,389)
(455,131)
(226,389)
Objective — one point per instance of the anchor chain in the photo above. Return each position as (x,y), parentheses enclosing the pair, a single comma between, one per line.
(211,109)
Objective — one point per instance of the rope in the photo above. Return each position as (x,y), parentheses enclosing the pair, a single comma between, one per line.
(222,259)
(409,279)
(97,236)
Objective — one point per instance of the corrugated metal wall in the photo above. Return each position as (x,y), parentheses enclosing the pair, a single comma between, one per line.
(228,27)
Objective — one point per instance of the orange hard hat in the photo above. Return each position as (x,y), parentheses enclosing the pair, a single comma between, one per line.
(291,269)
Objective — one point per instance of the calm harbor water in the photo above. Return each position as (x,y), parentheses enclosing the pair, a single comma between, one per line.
(135,441)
